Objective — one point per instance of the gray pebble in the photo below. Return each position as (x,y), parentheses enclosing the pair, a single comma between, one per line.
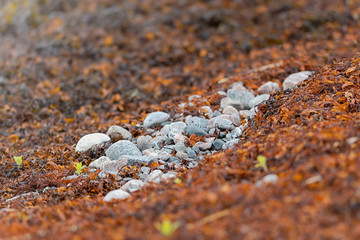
(224,102)
(180,147)
(163,155)
(174,159)
(220,122)
(155,176)
(145,170)
(191,153)
(230,110)
(133,186)
(115,131)
(252,112)
(258,100)
(120,148)
(116,194)
(196,149)
(271,178)
(144,142)
(159,141)
(195,130)
(215,114)
(218,144)
(230,144)
(182,155)
(236,132)
(197,121)
(155,118)
(165,130)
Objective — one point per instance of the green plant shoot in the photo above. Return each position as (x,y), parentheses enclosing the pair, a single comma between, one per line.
(177,181)
(18,160)
(261,162)
(167,228)
(79,167)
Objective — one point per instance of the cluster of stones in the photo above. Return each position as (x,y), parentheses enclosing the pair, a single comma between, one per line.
(168,146)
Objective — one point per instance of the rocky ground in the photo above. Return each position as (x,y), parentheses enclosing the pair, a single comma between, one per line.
(223,158)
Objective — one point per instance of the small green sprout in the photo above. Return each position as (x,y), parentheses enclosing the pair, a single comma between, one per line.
(261,162)
(177,181)
(79,167)
(167,228)
(18,160)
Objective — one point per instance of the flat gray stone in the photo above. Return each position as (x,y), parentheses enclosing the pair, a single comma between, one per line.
(90,141)
(120,148)
(133,186)
(116,194)
(99,162)
(189,130)
(295,78)
(155,118)
(117,131)
(218,143)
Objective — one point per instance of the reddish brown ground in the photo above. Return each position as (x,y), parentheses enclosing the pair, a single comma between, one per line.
(77,67)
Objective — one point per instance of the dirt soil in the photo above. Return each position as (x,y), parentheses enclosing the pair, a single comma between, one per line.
(70,68)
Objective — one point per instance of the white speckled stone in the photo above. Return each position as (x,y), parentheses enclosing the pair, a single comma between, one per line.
(295,78)
(90,140)
(155,118)
(116,194)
